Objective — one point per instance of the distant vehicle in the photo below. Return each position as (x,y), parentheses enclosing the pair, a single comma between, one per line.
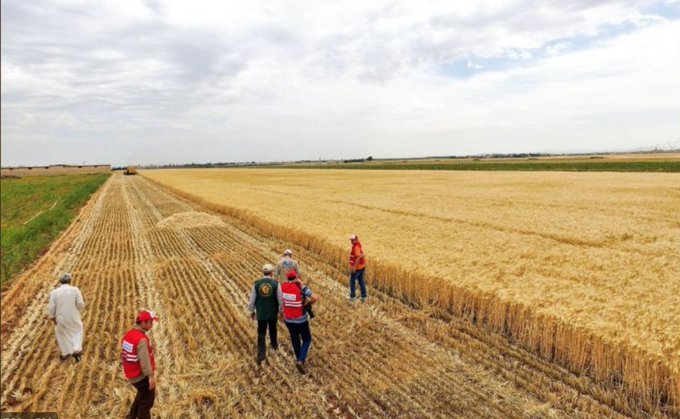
(130,170)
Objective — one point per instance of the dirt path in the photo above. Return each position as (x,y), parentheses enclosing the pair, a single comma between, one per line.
(378,359)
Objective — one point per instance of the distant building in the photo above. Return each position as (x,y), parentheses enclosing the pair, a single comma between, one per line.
(53,170)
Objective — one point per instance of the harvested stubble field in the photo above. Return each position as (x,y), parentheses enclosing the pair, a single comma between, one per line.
(580,268)
(136,245)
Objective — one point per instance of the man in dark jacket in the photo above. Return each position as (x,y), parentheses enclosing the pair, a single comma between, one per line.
(265,305)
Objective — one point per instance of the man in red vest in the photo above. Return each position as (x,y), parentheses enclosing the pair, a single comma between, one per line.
(357,266)
(295,297)
(139,365)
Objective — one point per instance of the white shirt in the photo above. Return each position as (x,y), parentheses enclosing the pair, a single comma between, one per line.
(65,304)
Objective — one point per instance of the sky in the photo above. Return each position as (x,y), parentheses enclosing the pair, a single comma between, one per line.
(170,82)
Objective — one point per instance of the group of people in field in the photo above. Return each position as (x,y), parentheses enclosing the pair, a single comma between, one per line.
(279,294)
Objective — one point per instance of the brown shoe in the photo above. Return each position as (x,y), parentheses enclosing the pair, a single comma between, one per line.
(301,367)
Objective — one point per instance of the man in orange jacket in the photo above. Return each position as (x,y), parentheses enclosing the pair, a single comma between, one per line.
(139,365)
(357,266)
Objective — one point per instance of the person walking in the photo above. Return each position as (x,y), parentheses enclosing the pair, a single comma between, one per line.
(295,298)
(265,305)
(285,265)
(139,365)
(357,266)
(64,309)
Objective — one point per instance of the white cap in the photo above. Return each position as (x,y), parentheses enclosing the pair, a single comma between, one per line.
(353,237)
(288,252)
(267,268)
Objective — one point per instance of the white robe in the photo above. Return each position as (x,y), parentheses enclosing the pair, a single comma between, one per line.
(65,305)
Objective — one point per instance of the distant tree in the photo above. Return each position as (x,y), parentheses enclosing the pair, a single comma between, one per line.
(369,158)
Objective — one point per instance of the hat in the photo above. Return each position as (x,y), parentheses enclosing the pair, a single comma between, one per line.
(65,278)
(146,315)
(291,275)
(267,268)
(353,237)
(288,252)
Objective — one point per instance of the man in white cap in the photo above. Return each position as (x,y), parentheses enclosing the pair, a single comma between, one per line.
(64,309)
(286,264)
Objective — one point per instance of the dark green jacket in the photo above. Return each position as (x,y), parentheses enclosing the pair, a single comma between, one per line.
(265,298)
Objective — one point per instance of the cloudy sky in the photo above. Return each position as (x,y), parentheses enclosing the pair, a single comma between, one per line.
(138,82)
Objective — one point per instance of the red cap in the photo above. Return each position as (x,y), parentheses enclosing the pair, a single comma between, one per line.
(291,275)
(146,315)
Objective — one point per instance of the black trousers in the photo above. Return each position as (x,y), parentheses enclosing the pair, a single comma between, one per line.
(141,406)
(262,326)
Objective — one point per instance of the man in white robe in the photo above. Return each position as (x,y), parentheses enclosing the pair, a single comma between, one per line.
(64,309)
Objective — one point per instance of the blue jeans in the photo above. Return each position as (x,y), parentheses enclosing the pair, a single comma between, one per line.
(301,337)
(354,277)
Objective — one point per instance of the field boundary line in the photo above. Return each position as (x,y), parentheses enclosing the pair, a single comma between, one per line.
(648,380)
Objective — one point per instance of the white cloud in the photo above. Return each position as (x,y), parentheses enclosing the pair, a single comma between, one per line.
(179,81)
(555,49)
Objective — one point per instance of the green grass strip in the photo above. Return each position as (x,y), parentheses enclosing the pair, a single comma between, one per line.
(567,166)
(34,211)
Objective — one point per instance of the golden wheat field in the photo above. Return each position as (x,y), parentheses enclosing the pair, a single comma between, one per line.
(580,268)
(139,245)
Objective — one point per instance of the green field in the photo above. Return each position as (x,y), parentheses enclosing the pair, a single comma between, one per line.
(35,210)
(531,166)
(671,164)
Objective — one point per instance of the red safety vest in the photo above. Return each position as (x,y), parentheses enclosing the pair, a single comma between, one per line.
(361,264)
(292,300)
(131,365)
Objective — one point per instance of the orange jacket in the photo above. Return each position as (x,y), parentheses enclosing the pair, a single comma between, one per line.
(356,255)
